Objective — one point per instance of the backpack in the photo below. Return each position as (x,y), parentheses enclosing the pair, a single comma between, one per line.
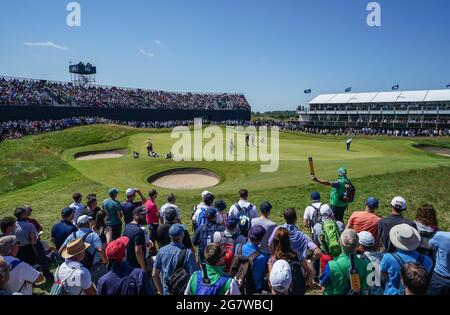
(201,219)
(330,238)
(204,286)
(88,260)
(348,195)
(206,238)
(244,218)
(241,271)
(298,286)
(59,287)
(401,262)
(179,279)
(229,246)
(316,217)
(129,286)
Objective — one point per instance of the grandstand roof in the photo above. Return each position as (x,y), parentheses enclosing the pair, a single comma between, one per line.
(383,97)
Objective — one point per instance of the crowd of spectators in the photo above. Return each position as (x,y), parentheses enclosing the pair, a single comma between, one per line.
(135,247)
(21,92)
(18,129)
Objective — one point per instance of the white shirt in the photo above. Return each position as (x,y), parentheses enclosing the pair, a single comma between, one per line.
(349,140)
(253,212)
(164,208)
(78,207)
(199,207)
(79,279)
(23,272)
(309,211)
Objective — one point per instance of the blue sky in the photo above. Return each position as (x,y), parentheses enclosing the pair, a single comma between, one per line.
(270,50)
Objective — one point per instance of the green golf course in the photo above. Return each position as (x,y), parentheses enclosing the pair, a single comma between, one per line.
(42,171)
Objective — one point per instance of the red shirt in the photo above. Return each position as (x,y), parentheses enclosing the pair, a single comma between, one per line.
(152,210)
(364,221)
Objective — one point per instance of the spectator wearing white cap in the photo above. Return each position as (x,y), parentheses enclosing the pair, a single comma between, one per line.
(395,218)
(280,278)
(129,205)
(95,255)
(21,275)
(406,240)
(199,217)
(375,281)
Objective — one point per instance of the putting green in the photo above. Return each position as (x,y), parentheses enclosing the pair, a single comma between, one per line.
(367,157)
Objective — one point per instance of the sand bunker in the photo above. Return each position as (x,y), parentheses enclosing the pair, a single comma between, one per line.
(437,150)
(185,178)
(100,155)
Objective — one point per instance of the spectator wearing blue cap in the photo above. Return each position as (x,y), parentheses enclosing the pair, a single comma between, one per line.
(265,209)
(366,220)
(114,210)
(204,235)
(167,259)
(259,262)
(311,216)
(62,229)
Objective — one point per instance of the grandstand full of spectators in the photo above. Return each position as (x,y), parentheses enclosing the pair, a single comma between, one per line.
(29,92)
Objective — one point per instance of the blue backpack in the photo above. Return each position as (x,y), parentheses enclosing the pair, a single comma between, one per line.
(204,286)
(244,218)
(207,236)
(201,219)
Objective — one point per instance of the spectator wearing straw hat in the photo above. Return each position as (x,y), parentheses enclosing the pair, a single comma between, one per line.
(385,225)
(406,240)
(122,279)
(77,279)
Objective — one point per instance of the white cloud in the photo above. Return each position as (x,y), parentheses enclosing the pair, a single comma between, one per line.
(157,42)
(46,44)
(145,53)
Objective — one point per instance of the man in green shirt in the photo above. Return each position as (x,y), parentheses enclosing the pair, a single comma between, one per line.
(113,209)
(337,191)
(215,281)
(336,275)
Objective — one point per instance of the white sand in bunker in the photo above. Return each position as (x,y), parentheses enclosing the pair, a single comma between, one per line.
(185,179)
(437,150)
(100,155)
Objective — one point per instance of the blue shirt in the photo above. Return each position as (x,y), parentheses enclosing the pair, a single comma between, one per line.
(259,267)
(115,282)
(166,261)
(60,232)
(127,210)
(390,265)
(441,242)
(92,239)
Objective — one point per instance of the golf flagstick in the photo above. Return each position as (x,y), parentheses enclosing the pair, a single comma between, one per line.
(311,166)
